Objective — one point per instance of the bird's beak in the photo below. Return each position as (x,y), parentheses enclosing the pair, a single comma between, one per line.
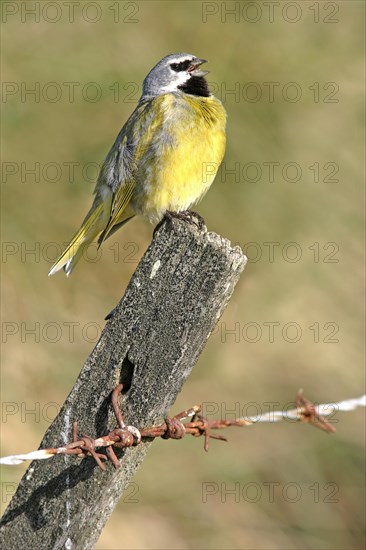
(193,69)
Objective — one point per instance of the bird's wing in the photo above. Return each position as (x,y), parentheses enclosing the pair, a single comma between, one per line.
(118,171)
(120,166)
(121,199)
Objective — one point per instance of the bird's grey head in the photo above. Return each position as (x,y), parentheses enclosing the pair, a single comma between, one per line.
(176,72)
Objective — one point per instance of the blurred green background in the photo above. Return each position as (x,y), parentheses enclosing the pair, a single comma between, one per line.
(296,77)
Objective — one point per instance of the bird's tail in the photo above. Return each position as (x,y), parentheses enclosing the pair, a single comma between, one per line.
(94,223)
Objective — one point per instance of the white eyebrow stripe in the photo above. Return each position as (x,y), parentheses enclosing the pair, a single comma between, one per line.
(180,60)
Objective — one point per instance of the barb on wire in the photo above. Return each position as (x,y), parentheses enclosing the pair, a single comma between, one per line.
(174,428)
(306,411)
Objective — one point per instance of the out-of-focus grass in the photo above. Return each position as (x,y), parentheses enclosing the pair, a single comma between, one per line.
(233,370)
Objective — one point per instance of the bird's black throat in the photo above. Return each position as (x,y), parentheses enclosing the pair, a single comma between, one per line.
(196,85)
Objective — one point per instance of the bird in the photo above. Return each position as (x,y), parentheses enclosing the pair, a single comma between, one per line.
(164,158)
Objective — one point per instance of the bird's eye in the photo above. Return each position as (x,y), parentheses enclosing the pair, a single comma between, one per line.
(182,66)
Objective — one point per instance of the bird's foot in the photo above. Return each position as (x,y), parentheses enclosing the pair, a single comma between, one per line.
(187,216)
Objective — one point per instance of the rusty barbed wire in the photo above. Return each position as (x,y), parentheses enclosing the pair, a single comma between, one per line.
(124,436)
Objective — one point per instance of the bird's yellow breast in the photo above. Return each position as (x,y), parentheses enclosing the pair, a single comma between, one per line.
(180,155)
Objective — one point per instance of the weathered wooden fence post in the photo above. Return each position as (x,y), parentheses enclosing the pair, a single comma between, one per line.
(171,305)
